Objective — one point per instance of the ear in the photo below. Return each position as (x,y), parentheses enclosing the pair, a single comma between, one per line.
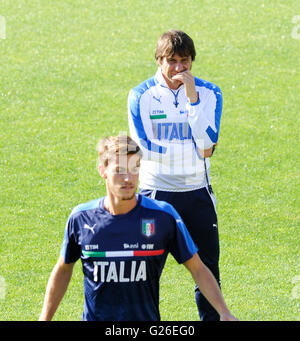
(102,171)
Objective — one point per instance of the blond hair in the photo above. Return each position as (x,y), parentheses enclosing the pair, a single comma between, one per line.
(112,147)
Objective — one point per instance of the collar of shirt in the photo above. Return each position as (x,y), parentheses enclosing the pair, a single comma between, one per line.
(159,77)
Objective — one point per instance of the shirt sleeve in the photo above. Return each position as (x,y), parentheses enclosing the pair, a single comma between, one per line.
(205,115)
(70,249)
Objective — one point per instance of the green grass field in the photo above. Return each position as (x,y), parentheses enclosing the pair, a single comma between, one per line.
(66,70)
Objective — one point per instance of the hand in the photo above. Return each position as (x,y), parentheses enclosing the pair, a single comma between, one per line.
(228,317)
(188,80)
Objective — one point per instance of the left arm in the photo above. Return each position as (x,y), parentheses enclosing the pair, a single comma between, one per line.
(208,286)
(205,115)
(56,288)
(206,152)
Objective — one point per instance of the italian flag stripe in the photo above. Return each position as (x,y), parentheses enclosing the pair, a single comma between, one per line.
(156,117)
(123,253)
(148,253)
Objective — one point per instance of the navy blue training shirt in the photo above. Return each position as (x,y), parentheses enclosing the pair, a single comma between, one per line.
(123,256)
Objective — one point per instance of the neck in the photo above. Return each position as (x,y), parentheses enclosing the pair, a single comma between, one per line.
(117,205)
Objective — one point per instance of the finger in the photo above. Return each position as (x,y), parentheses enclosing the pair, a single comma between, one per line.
(178,75)
(178,78)
(186,75)
(182,77)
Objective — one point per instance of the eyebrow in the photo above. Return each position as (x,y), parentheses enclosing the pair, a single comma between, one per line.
(173,59)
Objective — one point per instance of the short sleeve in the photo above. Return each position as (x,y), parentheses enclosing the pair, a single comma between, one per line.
(182,246)
(70,249)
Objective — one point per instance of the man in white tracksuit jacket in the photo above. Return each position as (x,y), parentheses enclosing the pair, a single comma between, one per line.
(175,118)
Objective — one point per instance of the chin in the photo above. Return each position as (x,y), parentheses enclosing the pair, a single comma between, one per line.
(128,196)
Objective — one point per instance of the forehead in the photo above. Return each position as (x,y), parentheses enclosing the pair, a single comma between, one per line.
(124,160)
(178,58)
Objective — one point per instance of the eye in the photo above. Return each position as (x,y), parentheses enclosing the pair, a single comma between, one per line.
(171,61)
(135,170)
(120,170)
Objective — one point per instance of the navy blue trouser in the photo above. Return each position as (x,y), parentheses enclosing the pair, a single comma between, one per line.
(197,210)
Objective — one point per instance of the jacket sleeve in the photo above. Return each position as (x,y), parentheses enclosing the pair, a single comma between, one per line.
(140,126)
(204,116)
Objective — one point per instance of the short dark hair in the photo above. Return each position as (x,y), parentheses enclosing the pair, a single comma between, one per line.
(174,42)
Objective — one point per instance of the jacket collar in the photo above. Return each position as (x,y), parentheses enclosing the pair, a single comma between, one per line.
(160,78)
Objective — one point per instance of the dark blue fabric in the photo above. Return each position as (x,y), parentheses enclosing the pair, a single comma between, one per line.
(198,213)
(118,284)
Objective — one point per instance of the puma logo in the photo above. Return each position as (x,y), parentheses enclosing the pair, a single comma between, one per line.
(91,228)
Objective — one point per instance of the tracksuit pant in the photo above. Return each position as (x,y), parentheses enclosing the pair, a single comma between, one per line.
(198,211)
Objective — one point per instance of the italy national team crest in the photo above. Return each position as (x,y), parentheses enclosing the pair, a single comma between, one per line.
(148,227)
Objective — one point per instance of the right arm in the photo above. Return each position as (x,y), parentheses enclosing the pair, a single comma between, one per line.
(56,288)
(140,126)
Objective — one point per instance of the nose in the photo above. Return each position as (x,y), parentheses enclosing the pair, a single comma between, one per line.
(179,67)
(127,177)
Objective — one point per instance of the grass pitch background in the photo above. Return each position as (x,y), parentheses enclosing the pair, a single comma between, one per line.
(66,70)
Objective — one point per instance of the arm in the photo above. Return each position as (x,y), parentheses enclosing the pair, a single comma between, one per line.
(208,286)
(56,288)
(140,126)
(206,152)
(204,113)
(204,119)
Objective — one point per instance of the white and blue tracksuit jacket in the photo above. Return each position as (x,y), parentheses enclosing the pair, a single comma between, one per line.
(168,128)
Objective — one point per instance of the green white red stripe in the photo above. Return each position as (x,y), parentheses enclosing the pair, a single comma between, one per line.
(127,253)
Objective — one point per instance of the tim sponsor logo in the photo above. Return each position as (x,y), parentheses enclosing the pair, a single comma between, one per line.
(131,246)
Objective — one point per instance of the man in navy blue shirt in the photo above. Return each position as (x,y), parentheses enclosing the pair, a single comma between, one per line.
(123,240)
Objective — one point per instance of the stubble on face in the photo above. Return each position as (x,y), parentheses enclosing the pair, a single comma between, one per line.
(170,66)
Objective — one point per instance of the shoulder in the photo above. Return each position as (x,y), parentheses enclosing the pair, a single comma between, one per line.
(167,209)
(158,205)
(142,88)
(90,205)
(208,85)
